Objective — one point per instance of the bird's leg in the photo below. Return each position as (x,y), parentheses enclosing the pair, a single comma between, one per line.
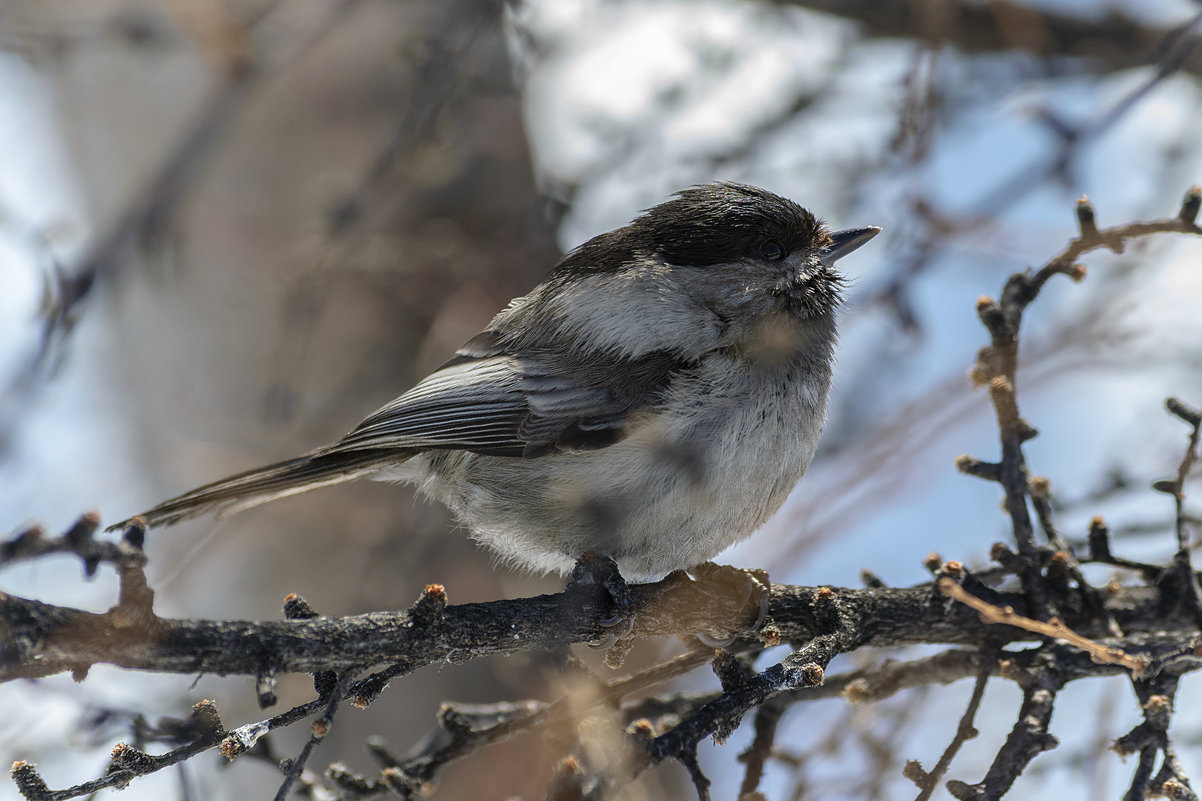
(598,576)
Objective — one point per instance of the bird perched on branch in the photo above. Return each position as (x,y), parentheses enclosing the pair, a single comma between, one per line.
(653,400)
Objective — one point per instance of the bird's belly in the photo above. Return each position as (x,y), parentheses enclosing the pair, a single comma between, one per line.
(673,493)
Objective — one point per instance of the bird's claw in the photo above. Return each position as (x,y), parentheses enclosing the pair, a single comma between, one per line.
(599,576)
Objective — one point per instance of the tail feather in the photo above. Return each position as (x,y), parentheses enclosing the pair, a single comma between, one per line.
(253,487)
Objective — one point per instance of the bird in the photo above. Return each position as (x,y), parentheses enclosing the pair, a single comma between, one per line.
(653,400)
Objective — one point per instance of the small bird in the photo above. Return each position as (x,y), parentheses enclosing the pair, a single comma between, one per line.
(653,400)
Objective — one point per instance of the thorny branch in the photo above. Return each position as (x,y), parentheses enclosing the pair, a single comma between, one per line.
(1148,631)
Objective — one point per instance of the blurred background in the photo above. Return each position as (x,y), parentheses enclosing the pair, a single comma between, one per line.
(229,229)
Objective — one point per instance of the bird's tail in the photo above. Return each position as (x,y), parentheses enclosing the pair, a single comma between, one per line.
(253,487)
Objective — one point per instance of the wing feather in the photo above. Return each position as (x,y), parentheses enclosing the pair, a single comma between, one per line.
(489,400)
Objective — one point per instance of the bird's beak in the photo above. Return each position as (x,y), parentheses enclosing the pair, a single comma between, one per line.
(847,241)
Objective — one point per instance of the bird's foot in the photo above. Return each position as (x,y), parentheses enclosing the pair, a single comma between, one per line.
(716,603)
(598,577)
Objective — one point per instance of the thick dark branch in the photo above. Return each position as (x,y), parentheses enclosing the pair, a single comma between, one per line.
(720,717)
(1156,697)
(1028,739)
(41,639)
(1183,570)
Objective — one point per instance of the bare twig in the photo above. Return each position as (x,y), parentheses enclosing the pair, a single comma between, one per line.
(1054,628)
(317,732)
(1183,567)
(1028,739)
(767,717)
(1115,40)
(927,781)
(997,368)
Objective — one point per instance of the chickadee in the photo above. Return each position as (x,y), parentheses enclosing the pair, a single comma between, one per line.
(654,400)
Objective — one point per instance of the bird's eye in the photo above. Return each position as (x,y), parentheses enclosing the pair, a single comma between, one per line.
(772,250)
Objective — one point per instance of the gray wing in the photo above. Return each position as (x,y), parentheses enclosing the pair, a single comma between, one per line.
(491,401)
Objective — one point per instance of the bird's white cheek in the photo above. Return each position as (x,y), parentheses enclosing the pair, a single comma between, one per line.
(633,315)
